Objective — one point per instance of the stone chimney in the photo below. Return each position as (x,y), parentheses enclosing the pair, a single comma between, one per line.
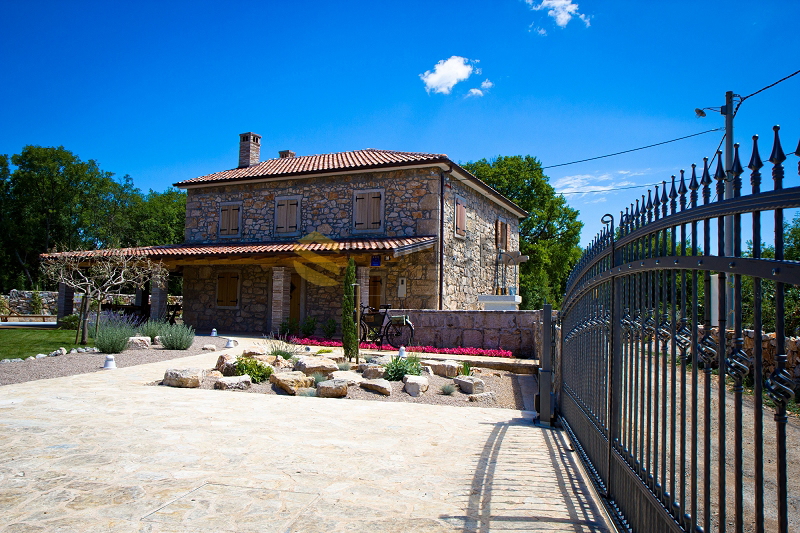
(286,153)
(249,149)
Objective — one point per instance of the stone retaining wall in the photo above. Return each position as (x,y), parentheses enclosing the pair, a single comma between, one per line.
(21,302)
(517,331)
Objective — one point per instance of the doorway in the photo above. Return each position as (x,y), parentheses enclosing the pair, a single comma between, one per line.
(295,298)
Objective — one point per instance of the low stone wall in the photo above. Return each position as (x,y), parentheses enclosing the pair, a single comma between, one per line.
(21,302)
(517,331)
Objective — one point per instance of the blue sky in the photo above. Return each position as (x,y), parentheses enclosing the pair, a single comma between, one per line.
(161,90)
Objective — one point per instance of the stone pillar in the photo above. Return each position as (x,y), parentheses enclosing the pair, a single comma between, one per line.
(281,284)
(66,296)
(158,301)
(362,278)
(142,297)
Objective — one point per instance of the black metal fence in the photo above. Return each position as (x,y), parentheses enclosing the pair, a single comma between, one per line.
(652,390)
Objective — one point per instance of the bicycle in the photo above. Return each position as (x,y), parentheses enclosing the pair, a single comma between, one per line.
(379,325)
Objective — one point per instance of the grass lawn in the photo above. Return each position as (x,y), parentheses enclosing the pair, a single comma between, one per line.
(23,342)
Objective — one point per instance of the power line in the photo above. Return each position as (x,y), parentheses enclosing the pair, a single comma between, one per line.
(769,86)
(609,190)
(634,149)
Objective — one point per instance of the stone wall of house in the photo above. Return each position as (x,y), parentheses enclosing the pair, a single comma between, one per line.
(517,331)
(410,205)
(470,261)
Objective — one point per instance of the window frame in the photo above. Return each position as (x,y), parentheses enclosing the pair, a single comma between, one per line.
(298,231)
(238,289)
(382,209)
(238,233)
(502,234)
(459,201)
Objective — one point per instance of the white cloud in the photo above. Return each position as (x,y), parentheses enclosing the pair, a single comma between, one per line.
(474,92)
(582,184)
(486,85)
(561,11)
(446,73)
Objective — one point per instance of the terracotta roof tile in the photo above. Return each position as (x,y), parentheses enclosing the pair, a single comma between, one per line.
(288,166)
(399,246)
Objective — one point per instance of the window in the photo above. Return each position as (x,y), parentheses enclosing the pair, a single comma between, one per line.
(461,217)
(229,216)
(287,215)
(228,289)
(368,211)
(502,234)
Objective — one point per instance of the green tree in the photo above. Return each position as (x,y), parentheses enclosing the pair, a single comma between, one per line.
(157,218)
(349,327)
(550,234)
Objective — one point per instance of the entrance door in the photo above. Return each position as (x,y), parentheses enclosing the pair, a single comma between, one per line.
(375,291)
(295,291)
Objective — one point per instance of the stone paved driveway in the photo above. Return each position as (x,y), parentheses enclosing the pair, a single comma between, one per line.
(103,452)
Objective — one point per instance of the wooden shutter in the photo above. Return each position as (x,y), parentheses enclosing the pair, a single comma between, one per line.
(360,211)
(501,234)
(507,236)
(291,215)
(224,219)
(374,215)
(234,225)
(228,289)
(280,217)
(461,218)
(497,233)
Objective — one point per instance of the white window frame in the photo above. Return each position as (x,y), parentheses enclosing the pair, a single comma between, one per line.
(382,227)
(298,231)
(238,222)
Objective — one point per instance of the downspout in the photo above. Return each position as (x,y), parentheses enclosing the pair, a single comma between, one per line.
(441,234)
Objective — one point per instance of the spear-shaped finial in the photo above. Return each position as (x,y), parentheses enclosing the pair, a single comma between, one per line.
(755,165)
(649,205)
(682,190)
(657,204)
(705,181)
(719,176)
(693,186)
(737,172)
(673,194)
(777,156)
(664,199)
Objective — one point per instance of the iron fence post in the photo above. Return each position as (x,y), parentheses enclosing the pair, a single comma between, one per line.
(546,370)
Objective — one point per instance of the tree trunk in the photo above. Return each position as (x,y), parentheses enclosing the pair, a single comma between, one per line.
(83,325)
(97,322)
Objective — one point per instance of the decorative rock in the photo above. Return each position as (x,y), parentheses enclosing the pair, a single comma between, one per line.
(233,383)
(209,348)
(469,384)
(484,397)
(41,356)
(378,385)
(333,388)
(186,377)
(291,381)
(138,343)
(254,350)
(310,364)
(446,369)
(73,351)
(280,362)
(374,372)
(425,369)
(415,385)
(352,378)
(268,359)
(226,364)
(62,351)
(16,360)
(81,350)
(31,358)
(157,340)
(214,374)
(306,391)
(4,361)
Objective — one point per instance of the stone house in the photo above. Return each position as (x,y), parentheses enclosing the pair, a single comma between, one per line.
(268,241)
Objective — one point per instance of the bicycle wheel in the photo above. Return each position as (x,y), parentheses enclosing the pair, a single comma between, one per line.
(363,330)
(398,335)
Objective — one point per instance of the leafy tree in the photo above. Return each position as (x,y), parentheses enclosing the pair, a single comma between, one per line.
(550,234)
(349,327)
(158,218)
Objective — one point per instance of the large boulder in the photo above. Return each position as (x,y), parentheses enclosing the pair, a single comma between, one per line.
(415,385)
(483,397)
(226,363)
(183,377)
(374,372)
(233,383)
(311,364)
(352,378)
(280,362)
(469,384)
(446,369)
(254,349)
(333,388)
(291,381)
(378,385)
(138,343)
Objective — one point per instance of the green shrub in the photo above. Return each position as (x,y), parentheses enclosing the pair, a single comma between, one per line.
(282,353)
(349,327)
(448,389)
(399,367)
(308,327)
(329,328)
(70,322)
(466,368)
(325,350)
(289,327)
(5,308)
(319,377)
(257,370)
(37,304)
(308,393)
(343,366)
(113,338)
(177,337)
(153,328)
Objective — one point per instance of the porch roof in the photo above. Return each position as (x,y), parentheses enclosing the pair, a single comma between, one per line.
(398,246)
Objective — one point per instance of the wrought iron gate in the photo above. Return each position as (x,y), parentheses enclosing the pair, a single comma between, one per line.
(651,392)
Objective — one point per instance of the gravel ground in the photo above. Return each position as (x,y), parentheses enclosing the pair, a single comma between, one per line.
(82,363)
(503,384)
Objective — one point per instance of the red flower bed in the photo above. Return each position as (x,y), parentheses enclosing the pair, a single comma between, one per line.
(315,341)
